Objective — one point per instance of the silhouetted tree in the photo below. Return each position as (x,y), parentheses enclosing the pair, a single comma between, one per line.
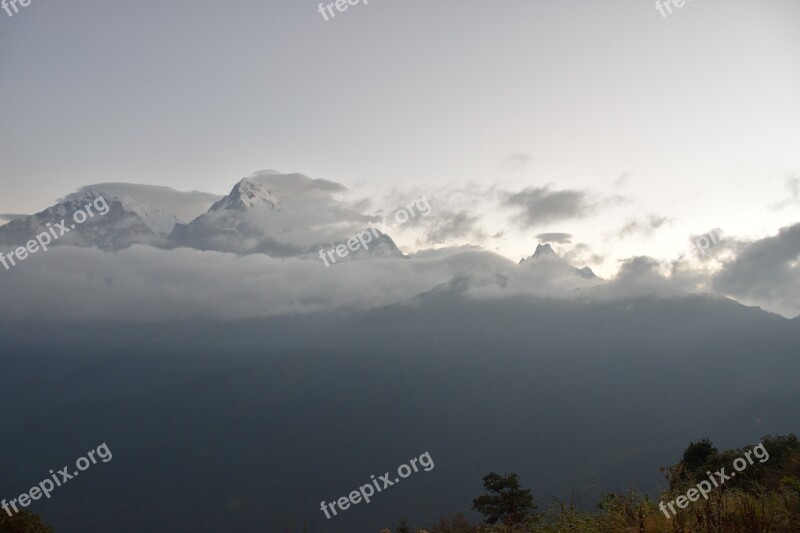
(505,501)
(698,454)
(697,458)
(403,527)
(22,522)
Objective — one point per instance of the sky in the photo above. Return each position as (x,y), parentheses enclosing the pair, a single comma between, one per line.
(645,129)
(615,134)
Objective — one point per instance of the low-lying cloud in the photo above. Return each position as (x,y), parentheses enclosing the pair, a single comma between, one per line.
(766,273)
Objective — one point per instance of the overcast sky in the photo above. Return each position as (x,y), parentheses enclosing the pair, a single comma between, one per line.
(634,130)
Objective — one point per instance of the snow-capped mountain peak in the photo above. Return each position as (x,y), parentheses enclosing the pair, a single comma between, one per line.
(116,222)
(247,194)
(543,250)
(546,257)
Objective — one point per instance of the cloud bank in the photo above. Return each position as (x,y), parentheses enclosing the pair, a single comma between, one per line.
(147,284)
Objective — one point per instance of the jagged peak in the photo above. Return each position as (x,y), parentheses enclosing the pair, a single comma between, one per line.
(544,250)
(247,194)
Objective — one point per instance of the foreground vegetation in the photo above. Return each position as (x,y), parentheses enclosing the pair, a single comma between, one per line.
(764,498)
(22,522)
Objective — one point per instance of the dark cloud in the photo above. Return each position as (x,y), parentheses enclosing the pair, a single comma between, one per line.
(713,245)
(766,273)
(542,205)
(455,226)
(555,237)
(642,275)
(443,216)
(646,226)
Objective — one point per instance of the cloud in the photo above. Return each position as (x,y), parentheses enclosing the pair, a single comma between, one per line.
(793,186)
(8,217)
(641,276)
(454,226)
(145,284)
(314,213)
(438,253)
(582,254)
(766,273)
(542,205)
(715,247)
(449,216)
(285,185)
(148,284)
(645,227)
(517,162)
(622,179)
(555,237)
(294,189)
(185,205)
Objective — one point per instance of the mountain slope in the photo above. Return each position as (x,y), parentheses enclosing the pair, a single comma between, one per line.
(118,223)
(251,219)
(545,256)
(560,392)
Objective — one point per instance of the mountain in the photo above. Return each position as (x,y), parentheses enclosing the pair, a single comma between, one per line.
(245,221)
(8,217)
(379,246)
(246,195)
(542,251)
(198,411)
(117,223)
(251,219)
(383,246)
(544,255)
(186,205)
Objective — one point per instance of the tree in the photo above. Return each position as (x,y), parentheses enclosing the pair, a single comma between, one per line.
(697,458)
(698,453)
(403,527)
(505,500)
(22,522)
